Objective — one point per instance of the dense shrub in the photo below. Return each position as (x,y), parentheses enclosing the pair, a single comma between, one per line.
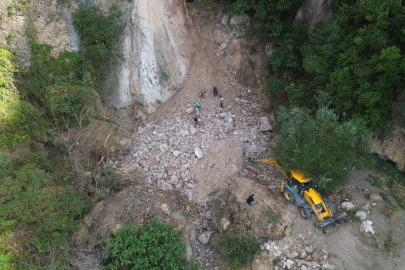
(36,196)
(156,246)
(356,56)
(237,248)
(275,14)
(99,33)
(19,120)
(319,145)
(30,200)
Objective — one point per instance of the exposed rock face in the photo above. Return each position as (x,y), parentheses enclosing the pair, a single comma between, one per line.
(52,24)
(240,24)
(313,11)
(158,45)
(16,25)
(392,146)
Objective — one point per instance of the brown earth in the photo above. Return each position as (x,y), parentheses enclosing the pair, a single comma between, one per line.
(222,181)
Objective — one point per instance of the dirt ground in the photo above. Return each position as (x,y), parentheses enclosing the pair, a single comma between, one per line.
(347,248)
(350,248)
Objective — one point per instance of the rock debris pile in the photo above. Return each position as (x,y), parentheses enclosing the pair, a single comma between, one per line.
(165,150)
(299,253)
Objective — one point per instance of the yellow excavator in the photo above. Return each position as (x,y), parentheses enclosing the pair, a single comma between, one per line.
(299,190)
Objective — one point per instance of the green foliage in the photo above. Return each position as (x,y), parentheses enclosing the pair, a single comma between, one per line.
(16,5)
(5,165)
(384,195)
(237,248)
(6,260)
(19,120)
(30,200)
(10,38)
(275,14)
(276,261)
(158,101)
(155,246)
(356,57)
(198,4)
(274,217)
(226,192)
(287,57)
(64,100)
(352,214)
(60,84)
(165,74)
(389,169)
(389,242)
(10,8)
(275,85)
(374,181)
(319,144)
(367,195)
(99,34)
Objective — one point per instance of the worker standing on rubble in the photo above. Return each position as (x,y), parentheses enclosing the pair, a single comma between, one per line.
(251,200)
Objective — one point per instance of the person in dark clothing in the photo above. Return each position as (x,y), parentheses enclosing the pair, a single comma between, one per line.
(215,91)
(251,200)
(196,122)
(222,101)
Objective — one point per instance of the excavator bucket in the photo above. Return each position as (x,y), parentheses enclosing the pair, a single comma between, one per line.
(333,223)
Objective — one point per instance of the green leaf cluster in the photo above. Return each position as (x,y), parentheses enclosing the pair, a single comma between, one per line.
(99,33)
(30,200)
(357,57)
(275,14)
(60,85)
(319,144)
(155,246)
(19,120)
(237,248)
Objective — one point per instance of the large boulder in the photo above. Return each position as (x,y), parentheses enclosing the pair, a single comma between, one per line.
(367,227)
(240,24)
(375,197)
(391,145)
(362,215)
(204,238)
(347,205)
(198,153)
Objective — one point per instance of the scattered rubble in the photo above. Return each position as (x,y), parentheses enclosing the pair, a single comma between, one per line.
(347,205)
(362,215)
(296,253)
(367,227)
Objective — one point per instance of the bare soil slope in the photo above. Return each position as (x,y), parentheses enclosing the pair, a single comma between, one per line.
(164,151)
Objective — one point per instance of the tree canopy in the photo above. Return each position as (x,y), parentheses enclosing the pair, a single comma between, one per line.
(319,144)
